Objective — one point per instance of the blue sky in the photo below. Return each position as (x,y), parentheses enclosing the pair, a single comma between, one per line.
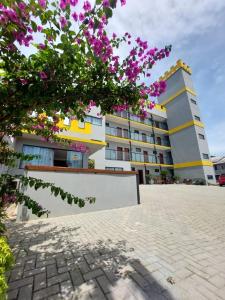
(195,28)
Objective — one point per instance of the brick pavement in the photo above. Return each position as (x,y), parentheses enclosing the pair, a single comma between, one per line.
(172,246)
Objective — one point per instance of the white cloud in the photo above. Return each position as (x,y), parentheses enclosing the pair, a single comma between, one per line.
(168,20)
(216,138)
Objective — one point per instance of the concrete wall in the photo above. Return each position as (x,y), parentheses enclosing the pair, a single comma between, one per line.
(110,190)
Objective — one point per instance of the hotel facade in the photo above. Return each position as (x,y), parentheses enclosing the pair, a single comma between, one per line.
(172,138)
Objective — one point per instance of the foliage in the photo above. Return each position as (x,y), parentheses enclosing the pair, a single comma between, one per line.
(91,164)
(6,262)
(74,66)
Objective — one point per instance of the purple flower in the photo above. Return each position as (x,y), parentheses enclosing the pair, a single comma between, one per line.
(75,16)
(42,46)
(22,5)
(39,28)
(87,6)
(43,75)
(63,22)
(81,17)
(106,3)
(123,2)
(23,81)
(73,2)
(63,4)
(42,3)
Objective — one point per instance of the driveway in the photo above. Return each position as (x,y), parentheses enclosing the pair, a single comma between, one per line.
(172,246)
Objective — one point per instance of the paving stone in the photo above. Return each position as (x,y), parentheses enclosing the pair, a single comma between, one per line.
(58,278)
(12,295)
(93,274)
(76,277)
(16,274)
(45,263)
(39,281)
(104,283)
(25,292)
(218,281)
(43,294)
(51,270)
(34,272)
(21,282)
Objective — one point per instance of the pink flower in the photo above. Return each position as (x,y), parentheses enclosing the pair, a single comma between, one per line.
(73,2)
(43,75)
(63,22)
(63,4)
(75,16)
(39,28)
(23,81)
(106,3)
(42,3)
(123,2)
(87,6)
(81,17)
(22,5)
(42,46)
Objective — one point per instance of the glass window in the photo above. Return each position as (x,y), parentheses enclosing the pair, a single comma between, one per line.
(114,168)
(93,120)
(74,159)
(205,156)
(156,170)
(201,136)
(197,118)
(138,150)
(193,101)
(210,177)
(45,156)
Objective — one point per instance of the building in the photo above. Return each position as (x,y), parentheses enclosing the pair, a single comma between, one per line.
(171,140)
(219,165)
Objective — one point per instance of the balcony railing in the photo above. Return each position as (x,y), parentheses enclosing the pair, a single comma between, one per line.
(138,119)
(137,157)
(124,133)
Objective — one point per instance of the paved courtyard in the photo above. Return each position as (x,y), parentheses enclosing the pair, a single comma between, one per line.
(172,246)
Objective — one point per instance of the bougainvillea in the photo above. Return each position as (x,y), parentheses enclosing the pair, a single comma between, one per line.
(57,60)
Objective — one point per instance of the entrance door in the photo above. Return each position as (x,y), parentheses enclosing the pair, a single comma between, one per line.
(119,132)
(159,141)
(161,160)
(126,154)
(119,153)
(140,176)
(145,156)
(125,133)
(144,138)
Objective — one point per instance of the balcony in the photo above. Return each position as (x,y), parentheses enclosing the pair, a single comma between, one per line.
(124,133)
(146,121)
(111,154)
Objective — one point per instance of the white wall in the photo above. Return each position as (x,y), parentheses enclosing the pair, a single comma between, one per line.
(110,190)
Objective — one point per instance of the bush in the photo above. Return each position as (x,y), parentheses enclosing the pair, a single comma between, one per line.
(6,262)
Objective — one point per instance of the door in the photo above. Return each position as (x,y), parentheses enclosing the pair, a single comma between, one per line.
(126,154)
(140,177)
(161,160)
(145,156)
(144,138)
(119,131)
(159,141)
(119,153)
(125,133)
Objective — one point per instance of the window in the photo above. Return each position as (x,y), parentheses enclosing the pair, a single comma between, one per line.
(52,157)
(156,170)
(210,177)
(205,156)
(193,101)
(81,124)
(201,136)
(197,118)
(138,149)
(44,156)
(93,120)
(114,168)
(107,145)
(107,124)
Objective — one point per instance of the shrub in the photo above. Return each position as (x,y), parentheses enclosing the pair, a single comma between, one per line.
(6,262)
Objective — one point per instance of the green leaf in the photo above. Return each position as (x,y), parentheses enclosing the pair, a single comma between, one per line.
(34,26)
(108,12)
(98,2)
(113,3)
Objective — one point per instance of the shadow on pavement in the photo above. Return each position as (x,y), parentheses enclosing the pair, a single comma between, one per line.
(54,262)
